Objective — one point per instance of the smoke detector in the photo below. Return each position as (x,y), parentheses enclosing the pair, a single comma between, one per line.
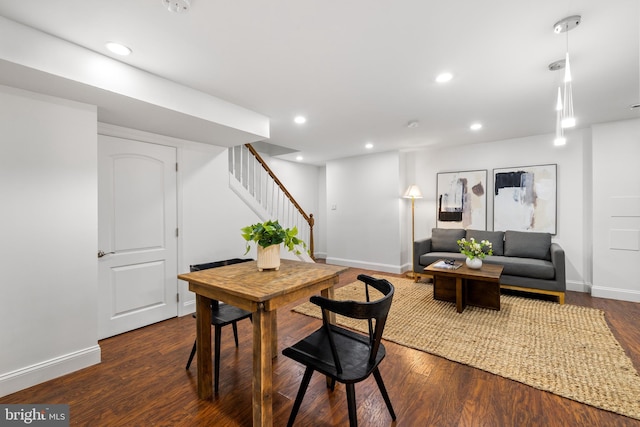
(178,6)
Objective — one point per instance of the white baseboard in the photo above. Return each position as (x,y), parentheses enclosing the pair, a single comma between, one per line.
(321,255)
(28,376)
(578,286)
(387,268)
(615,293)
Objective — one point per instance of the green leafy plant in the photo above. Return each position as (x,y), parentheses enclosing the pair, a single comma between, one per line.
(272,233)
(473,249)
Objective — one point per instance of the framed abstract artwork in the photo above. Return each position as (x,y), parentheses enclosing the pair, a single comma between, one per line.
(461,201)
(524,198)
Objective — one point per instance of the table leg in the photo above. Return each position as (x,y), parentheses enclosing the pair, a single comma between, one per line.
(203,344)
(460,297)
(274,333)
(262,369)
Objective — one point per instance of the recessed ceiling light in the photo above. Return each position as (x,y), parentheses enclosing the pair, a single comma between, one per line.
(299,158)
(368,146)
(300,119)
(476,126)
(444,77)
(118,49)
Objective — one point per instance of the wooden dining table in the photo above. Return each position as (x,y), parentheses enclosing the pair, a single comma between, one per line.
(262,293)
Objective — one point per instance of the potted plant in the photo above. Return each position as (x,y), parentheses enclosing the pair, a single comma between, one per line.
(268,236)
(475,251)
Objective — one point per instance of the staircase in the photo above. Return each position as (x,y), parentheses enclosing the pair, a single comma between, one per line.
(254,182)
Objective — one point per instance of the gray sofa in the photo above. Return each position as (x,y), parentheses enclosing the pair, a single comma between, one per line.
(532,263)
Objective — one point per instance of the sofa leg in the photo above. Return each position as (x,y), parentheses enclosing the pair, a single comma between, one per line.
(558,294)
(419,276)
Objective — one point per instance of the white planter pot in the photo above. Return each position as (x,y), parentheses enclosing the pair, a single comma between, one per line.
(475,263)
(269,257)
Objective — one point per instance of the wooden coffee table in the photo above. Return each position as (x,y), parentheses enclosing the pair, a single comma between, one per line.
(466,286)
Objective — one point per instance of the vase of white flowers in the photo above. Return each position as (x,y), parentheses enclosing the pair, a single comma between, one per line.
(475,263)
(475,251)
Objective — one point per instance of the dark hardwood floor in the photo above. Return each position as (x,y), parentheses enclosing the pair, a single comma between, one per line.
(142,381)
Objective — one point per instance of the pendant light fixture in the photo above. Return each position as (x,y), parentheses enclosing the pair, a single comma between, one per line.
(568,119)
(560,139)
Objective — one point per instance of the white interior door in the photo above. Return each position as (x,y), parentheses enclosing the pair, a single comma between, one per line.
(137,223)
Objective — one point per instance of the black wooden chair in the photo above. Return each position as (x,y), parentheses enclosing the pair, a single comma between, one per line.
(221,315)
(343,355)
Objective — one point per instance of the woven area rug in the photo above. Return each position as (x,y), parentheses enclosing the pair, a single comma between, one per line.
(564,349)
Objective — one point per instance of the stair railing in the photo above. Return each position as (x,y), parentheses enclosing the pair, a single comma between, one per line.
(253,173)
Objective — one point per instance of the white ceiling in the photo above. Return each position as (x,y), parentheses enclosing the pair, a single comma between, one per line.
(360,70)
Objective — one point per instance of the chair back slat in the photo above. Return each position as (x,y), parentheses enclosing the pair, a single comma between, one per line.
(216,264)
(332,343)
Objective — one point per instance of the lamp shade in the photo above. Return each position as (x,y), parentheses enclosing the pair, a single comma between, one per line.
(413,192)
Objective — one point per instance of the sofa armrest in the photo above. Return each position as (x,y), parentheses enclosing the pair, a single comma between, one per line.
(557,259)
(420,247)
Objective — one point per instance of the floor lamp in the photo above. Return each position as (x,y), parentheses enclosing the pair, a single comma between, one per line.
(413,193)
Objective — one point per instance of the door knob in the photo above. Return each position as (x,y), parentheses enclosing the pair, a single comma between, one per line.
(102,253)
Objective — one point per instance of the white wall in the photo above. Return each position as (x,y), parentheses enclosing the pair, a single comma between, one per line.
(364,228)
(616,210)
(536,150)
(321,229)
(301,181)
(48,221)
(212,214)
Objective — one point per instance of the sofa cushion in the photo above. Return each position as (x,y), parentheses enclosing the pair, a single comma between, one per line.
(524,244)
(495,237)
(446,240)
(524,267)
